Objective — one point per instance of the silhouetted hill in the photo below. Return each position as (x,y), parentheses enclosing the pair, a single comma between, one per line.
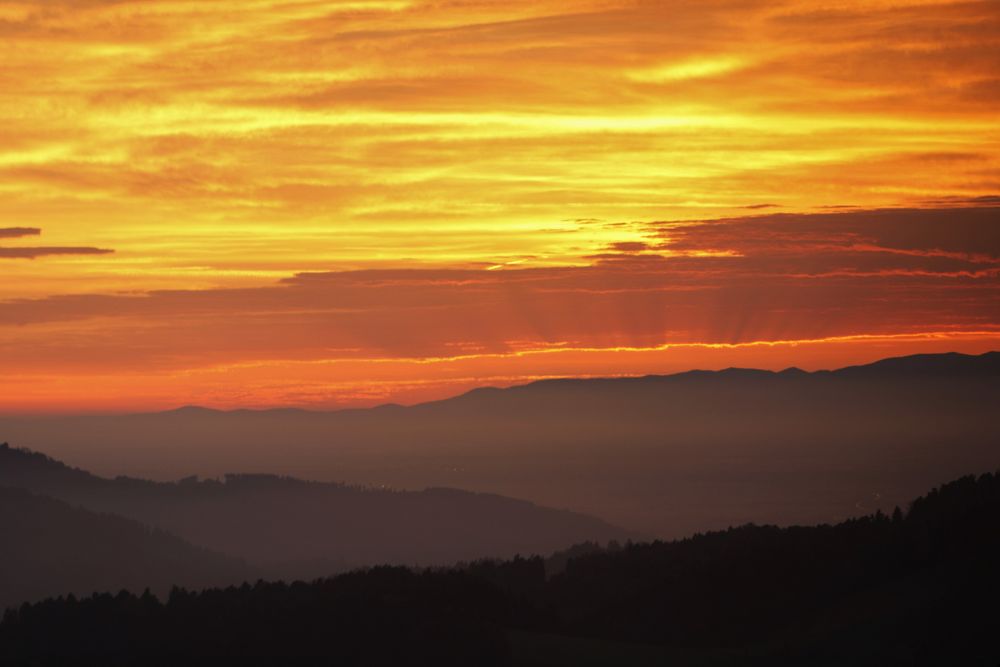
(313,529)
(666,455)
(48,548)
(901,589)
(915,589)
(947,365)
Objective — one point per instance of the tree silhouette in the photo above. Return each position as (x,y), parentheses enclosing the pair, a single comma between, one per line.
(916,589)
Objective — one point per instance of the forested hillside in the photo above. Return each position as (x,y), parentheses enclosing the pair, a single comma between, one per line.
(914,588)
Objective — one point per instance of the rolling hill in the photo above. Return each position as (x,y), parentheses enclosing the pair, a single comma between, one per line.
(915,588)
(306,529)
(51,548)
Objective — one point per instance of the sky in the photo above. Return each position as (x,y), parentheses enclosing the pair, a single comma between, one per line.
(325,204)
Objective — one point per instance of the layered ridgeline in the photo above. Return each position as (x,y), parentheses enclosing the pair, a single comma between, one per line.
(288,527)
(49,548)
(666,455)
(913,588)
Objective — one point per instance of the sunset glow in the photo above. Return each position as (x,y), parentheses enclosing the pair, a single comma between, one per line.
(327,204)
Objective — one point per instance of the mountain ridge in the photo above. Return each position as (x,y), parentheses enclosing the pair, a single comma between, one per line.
(282,521)
(914,588)
(914,363)
(109,552)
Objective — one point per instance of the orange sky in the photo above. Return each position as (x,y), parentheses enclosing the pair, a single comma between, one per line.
(265,203)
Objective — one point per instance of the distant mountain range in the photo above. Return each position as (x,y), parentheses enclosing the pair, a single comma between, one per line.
(291,528)
(665,455)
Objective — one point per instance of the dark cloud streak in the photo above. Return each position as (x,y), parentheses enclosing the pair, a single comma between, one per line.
(18,232)
(34,253)
(785,277)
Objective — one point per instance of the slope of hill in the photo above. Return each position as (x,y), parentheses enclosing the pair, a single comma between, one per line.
(313,529)
(913,589)
(666,455)
(50,548)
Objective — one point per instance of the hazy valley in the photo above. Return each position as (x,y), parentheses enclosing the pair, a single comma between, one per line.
(660,455)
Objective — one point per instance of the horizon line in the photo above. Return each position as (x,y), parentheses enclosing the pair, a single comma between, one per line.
(489,387)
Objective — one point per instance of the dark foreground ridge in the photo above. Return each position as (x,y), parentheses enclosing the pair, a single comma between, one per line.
(918,588)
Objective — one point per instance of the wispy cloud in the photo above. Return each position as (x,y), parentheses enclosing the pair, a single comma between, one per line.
(239,137)
(600,159)
(43,251)
(33,252)
(17,232)
(737,282)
